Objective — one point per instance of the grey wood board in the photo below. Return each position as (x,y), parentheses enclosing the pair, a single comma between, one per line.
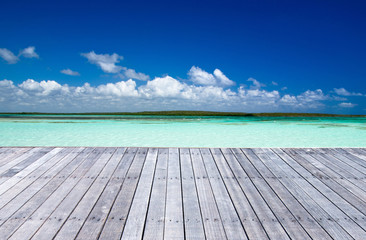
(116,219)
(333,213)
(38,217)
(265,215)
(193,223)
(174,228)
(32,155)
(11,154)
(300,213)
(137,215)
(155,219)
(325,172)
(210,214)
(98,215)
(39,191)
(10,191)
(288,221)
(263,164)
(94,186)
(229,217)
(322,188)
(337,185)
(349,159)
(252,225)
(38,168)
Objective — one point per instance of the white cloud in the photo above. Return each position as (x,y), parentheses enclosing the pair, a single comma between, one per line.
(43,88)
(105,61)
(131,73)
(198,76)
(29,52)
(344,92)
(120,89)
(70,72)
(162,87)
(274,83)
(201,77)
(347,105)
(256,84)
(6,84)
(289,100)
(8,56)
(222,79)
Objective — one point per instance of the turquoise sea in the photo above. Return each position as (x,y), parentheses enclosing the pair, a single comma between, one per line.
(163,131)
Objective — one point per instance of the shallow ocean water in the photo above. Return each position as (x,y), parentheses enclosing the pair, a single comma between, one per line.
(162,131)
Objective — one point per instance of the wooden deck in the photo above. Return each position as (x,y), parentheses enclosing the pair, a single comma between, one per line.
(150,193)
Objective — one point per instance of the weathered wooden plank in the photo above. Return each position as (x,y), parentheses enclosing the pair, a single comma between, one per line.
(279,181)
(210,214)
(39,191)
(332,183)
(15,185)
(32,155)
(288,221)
(333,197)
(154,226)
(326,173)
(351,172)
(11,154)
(45,162)
(349,153)
(333,214)
(174,206)
(136,218)
(360,153)
(116,219)
(229,217)
(74,198)
(346,158)
(58,218)
(192,214)
(253,227)
(94,223)
(260,174)
(42,214)
(263,211)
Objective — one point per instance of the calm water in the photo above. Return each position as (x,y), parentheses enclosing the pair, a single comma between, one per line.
(157,131)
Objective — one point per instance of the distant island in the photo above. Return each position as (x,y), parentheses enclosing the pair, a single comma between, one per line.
(193,113)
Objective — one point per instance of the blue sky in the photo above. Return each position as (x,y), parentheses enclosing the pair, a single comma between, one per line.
(247,56)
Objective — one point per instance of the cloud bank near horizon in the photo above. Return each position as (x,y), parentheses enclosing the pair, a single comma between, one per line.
(136,91)
(161,93)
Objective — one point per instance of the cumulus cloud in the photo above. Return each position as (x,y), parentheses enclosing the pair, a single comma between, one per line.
(347,105)
(119,89)
(255,83)
(29,52)
(70,72)
(42,88)
(201,77)
(8,56)
(344,92)
(131,73)
(162,87)
(106,62)
(11,58)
